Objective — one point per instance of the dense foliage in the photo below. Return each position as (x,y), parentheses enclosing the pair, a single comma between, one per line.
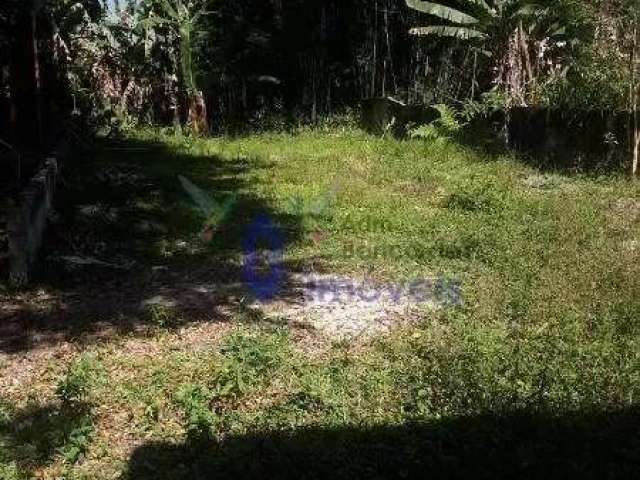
(236,63)
(309,57)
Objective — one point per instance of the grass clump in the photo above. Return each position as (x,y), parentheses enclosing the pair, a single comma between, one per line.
(248,359)
(483,200)
(59,432)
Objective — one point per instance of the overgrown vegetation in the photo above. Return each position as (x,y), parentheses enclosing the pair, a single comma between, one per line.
(546,341)
(229,65)
(140,352)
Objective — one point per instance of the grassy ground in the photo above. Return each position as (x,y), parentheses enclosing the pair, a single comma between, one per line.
(537,374)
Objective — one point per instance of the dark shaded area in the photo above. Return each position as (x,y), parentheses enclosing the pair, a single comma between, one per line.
(125,244)
(563,141)
(571,140)
(34,94)
(34,111)
(34,436)
(525,446)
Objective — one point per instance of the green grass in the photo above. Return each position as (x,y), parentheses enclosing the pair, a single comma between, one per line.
(537,373)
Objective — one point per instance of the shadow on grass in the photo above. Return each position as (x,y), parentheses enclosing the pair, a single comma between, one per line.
(597,445)
(127,234)
(34,436)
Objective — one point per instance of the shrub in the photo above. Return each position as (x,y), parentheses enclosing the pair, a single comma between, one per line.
(162,316)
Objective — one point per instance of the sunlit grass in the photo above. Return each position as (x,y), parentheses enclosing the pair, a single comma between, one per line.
(550,269)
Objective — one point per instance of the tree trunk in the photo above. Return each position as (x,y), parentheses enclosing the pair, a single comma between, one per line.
(198,122)
(513,72)
(389,51)
(38,81)
(529,81)
(375,52)
(474,81)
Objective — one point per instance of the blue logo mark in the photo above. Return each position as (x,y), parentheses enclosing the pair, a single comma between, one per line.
(263,279)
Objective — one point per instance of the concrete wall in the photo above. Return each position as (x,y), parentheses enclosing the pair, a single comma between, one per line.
(387,115)
(584,140)
(27,221)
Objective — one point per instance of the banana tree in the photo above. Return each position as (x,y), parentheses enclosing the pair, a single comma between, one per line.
(181,18)
(460,24)
(501,30)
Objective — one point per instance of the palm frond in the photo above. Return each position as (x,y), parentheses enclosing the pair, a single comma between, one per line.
(528,10)
(483,5)
(441,11)
(461,33)
(556,30)
(169,10)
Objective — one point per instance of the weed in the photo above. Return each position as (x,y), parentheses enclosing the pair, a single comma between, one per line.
(161,316)
(442,129)
(75,385)
(248,358)
(152,413)
(195,402)
(77,442)
(483,200)
(34,435)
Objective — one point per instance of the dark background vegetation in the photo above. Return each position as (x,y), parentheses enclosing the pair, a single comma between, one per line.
(271,63)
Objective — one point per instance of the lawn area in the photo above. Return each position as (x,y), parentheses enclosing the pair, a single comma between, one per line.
(535,374)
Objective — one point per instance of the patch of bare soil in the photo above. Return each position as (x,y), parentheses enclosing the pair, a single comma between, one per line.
(176,311)
(347,309)
(30,374)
